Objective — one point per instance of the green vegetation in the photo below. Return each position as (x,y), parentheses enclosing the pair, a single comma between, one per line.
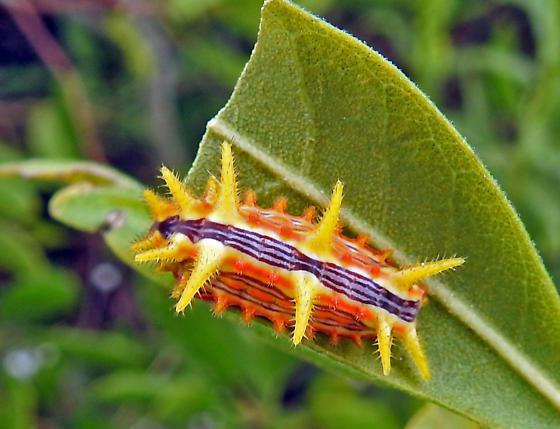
(88,342)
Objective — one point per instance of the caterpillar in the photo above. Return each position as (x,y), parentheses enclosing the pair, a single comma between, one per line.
(298,272)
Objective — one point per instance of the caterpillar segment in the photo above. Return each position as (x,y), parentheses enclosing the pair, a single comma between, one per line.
(227,206)
(406,277)
(384,341)
(160,208)
(306,288)
(211,192)
(153,240)
(179,193)
(208,260)
(294,271)
(320,241)
(176,250)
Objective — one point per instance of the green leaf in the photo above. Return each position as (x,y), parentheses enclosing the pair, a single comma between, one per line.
(18,200)
(21,253)
(42,295)
(105,349)
(136,52)
(67,171)
(116,212)
(18,405)
(127,386)
(353,409)
(315,105)
(49,131)
(432,416)
(167,394)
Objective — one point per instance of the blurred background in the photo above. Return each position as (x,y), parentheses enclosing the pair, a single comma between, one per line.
(86,343)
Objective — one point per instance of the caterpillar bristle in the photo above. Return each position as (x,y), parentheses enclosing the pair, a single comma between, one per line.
(296,271)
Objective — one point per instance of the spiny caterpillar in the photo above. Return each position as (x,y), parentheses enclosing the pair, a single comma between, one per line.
(291,270)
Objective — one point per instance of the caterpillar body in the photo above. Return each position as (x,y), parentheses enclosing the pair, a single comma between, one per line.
(296,271)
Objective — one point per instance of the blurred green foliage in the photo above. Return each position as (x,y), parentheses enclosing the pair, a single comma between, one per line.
(85,343)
